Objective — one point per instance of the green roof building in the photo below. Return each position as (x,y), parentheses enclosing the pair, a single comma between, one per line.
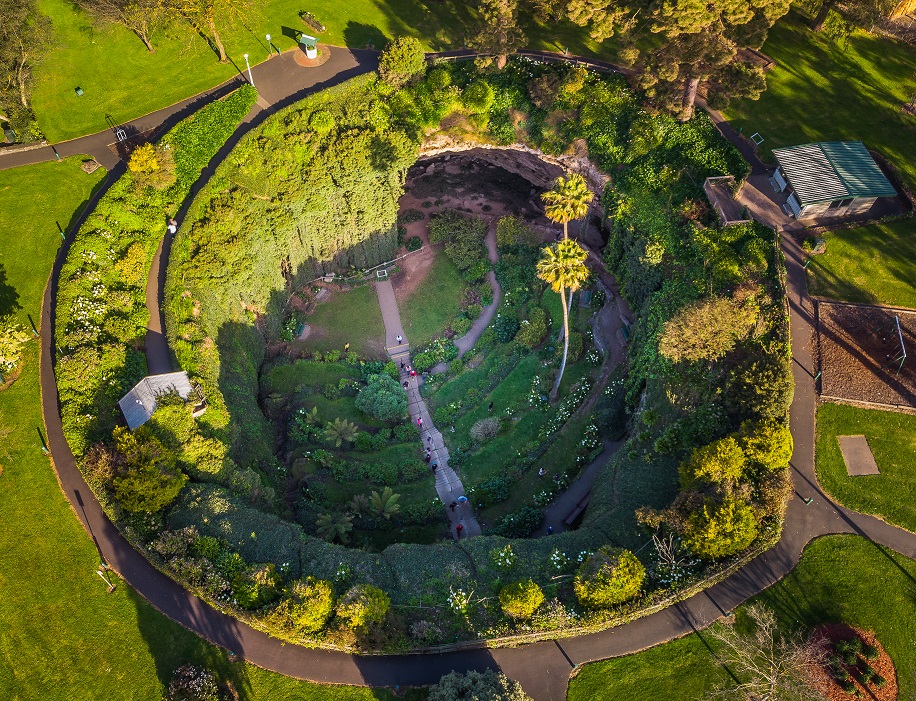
(830,178)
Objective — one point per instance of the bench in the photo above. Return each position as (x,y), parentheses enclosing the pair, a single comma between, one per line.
(577,509)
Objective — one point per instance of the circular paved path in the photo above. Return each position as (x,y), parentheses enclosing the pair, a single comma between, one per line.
(542,668)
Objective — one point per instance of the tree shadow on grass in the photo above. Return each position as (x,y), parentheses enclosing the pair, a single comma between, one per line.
(9,297)
(364,36)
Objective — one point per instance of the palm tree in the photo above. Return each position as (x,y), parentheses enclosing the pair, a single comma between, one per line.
(340,430)
(358,504)
(333,526)
(562,266)
(568,199)
(386,504)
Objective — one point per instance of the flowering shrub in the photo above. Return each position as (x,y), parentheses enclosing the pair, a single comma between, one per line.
(459,601)
(504,558)
(190,683)
(559,560)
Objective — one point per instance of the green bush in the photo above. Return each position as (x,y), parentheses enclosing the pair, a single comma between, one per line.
(478,97)
(414,243)
(520,599)
(767,444)
(363,606)
(460,326)
(477,686)
(720,530)
(402,60)
(147,478)
(576,345)
(506,326)
(720,461)
(256,586)
(462,236)
(532,331)
(308,607)
(383,398)
(519,524)
(607,577)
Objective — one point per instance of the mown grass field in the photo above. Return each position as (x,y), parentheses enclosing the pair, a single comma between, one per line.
(426,311)
(822,91)
(63,636)
(839,579)
(869,264)
(119,77)
(892,439)
(352,317)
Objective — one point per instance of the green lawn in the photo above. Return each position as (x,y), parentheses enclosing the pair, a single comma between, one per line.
(352,317)
(840,578)
(427,310)
(871,264)
(820,91)
(288,379)
(892,439)
(63,636)
(120,78)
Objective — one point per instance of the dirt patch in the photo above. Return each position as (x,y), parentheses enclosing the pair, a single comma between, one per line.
(859,351)
(826,678)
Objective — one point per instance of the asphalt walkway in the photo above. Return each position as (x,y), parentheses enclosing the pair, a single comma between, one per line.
(448,484)
(542,668)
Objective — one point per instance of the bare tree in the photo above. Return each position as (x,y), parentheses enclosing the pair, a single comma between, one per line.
(204,15)
(142,17)
(25,35)
(776,666)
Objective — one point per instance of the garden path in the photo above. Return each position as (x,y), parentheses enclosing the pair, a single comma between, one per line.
(448,484)
(543,668)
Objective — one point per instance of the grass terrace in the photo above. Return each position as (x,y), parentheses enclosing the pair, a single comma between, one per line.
(427,309)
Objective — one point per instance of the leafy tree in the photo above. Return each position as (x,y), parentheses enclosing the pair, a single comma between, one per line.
(383,397)
(385,504)
(562,266)
(718,530)
(340,431)
(334,526)
(308,607)
(12,340)
(768,443)
(761,387)
(603,17)
(532,331)
(463,237)
(496,30)
(520,599)
(489,685)
(147,478)
(190,683)
(478,97)
(773,665)
(720,461)
(362,606)
(568,199)
(321,122)
(607,577)
(25,36)
(402,61)
(142,17)
(703,330)
(256,586)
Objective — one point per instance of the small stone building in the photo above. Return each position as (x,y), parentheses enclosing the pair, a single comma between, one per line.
(829,179)
(139,404)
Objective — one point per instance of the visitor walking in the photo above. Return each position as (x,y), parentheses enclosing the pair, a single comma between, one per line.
(549,530)
(347,347)
(542,472)
(406,384)
(490,408)
(173,226)
(462,499)
(453,505)
(458,529)
(399,339)
(420,422)
(402,366)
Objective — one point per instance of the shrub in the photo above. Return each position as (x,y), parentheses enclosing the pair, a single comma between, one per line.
(321,122)
(147,478)
(720,461)
(720,530)
(12,340)
(576,344)
(256,586)
(190,683)
(761,387)
(401,61)
(462,236)
(767,444)
(485,429)
(460,325)
(520,524)
(520,599)
(703,330)
(308,607)
(493,490)
(607,577)
(363,606)
(512,231)
(506,327)
(414,243)
(532,331)
(383,397)
(477,686)
(478,97)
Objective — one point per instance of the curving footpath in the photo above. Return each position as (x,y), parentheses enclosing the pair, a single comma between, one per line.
(542,668)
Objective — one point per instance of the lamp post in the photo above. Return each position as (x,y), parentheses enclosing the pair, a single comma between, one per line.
(248,66)
(270,47)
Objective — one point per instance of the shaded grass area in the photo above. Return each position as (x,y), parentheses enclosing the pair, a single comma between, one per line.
(426,311)
(892,439)
(63,636)
(873,590)
(822,91)
(342,408)
(868,264)
(352,317)
(119,77)
(303,373)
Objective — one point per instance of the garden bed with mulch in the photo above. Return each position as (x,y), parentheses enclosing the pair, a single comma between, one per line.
(857,665)
(859,354)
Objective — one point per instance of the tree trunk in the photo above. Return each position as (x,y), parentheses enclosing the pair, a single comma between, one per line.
(690,96)
(20,78)
(565,230)
(817,24)
(501,61)
(144,37)
(218,42)
(556,387)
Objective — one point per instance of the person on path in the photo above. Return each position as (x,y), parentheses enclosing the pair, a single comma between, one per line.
(453,505)
(173,226)
(406,384)
(462,499)
(399,339)
(429,439)
(347,347)
(402,366)
(549,530)
(427,458)
(420,423)
(490,408)
(434,466)
(458,529)
(542,472)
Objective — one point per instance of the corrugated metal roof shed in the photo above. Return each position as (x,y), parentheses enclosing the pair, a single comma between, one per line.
(139,404)
(832,170)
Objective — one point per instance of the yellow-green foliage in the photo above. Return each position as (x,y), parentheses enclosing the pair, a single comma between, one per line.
(12,338)
(607,577)
(363,606)
(148,478)
(768,444)
(520,599)
(132,267)
(143,160)
(720,461)
(310,604)
(720,530)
